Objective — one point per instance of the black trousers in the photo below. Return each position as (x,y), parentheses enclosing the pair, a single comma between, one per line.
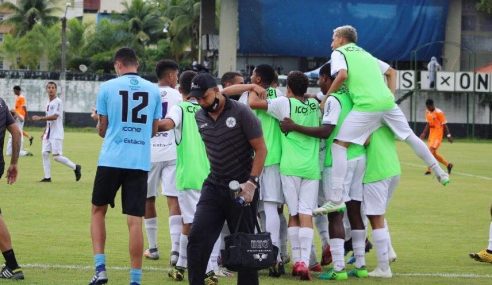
(214,207)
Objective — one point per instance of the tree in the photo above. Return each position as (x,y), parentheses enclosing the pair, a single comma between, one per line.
(142,20)
(9,50)
(40,47)
(27,13)
(485,6)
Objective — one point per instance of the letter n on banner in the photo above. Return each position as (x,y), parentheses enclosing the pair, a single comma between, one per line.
(482,82)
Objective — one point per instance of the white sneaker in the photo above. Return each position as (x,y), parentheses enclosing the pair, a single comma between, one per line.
(443,179)
(379,273)
(223,272)
(330,207)
(152,253)
(391,254)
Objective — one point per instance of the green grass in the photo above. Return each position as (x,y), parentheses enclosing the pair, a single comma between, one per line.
(433,227)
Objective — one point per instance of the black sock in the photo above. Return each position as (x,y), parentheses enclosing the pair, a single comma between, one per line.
(10,260)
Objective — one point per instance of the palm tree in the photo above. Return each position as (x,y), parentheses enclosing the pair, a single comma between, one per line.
(9,50)
(142,20)
(27,13)
(40,47)
(184,25)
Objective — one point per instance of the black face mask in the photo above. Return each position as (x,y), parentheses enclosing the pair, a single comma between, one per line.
(213,107)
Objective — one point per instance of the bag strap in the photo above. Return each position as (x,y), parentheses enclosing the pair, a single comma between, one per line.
(239,220)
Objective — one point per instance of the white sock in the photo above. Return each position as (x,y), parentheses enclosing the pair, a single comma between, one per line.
(312,256)
(359,246)
(322,226)
(422,151)
(293,233)
(272,223)
(175,226)
(214,256)
(283,235)
(490,238)
(46,164)
(183,247)
(390,245)
(380,237)
(64,160)
(339,170)
(337,253)
(151,229)
(306,241)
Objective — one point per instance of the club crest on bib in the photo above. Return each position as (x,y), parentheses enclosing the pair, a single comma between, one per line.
(231,122)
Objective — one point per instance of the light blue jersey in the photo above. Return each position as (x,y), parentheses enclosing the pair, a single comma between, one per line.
(131,104)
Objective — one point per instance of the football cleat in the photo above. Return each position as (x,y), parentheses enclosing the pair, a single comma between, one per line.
(177,273)
(100,277)
(483,256)
(326,257)
(330,207)
(274,271)
(14,274)
(78,172)
(152,253)
(379,273)
(331,274)
(223,272)
(303,272)
(211,278)
(173,258)
(315,267)
(450,167)
(391,254)
(428,172)
(30,141)
(359,272)
(444,179)
(295,269)
(45,180)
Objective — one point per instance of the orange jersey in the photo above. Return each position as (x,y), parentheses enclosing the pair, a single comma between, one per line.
(20,103)
(436,121)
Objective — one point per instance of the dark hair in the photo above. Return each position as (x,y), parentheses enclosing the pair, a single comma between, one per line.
(52,83)
(229,77)
(185,81)
(297,82)
(429,102)
(164,66)
(17,87)
(126,56)
(325,70)
(266,73)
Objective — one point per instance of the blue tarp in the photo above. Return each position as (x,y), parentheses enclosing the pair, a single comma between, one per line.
(389,29)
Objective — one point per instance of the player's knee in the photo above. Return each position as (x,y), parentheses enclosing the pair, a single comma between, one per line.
(57,157)
(46,154)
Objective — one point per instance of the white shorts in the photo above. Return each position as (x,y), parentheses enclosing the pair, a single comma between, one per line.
(300,194)
(352,185)
(163,173)
(187,200)
(358,126)
(378,194)
(270,185)
(52,145)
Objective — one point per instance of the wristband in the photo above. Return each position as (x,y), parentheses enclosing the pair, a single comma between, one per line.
(254,179)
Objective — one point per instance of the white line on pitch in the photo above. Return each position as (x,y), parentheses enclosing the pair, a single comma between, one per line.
(159,269)
(454,172)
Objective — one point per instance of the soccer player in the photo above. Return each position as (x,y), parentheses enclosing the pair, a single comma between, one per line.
(373,105)
(485,255)
(53,135)
(163,171)
(337,107)
(20,115)
(436,126)
(380,180)
(129,108)
(11,269)
(299,165)
(21,110)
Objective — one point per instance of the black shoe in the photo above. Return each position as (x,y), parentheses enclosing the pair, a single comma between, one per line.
(427,172)
(281,268)
(78,172)
(450,167)
(274,271)
(30,141)
(14,274)
(45,180)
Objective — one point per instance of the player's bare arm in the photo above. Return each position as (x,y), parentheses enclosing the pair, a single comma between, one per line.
(255,102)
(448,133)
(342,75)
(322,132)
(45,118)
(165,125)
(16,133)
(241,88)
(424,132)
(154,127)
(390,75)
(102,126)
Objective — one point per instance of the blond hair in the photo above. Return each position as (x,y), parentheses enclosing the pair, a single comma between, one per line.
(348,32)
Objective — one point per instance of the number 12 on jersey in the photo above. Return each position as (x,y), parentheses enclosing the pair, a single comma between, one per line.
(135,117)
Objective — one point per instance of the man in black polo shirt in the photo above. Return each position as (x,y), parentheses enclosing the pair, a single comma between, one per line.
(11,270)
(236,151)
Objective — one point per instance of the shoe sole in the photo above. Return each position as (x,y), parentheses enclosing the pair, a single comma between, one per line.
(317,212)
(477,257)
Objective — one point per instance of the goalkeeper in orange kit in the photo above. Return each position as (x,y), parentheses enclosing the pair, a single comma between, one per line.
(436,127)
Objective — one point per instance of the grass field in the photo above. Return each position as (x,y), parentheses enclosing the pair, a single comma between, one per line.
(433,227)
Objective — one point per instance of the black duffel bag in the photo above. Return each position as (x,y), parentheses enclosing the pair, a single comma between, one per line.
(248,251)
